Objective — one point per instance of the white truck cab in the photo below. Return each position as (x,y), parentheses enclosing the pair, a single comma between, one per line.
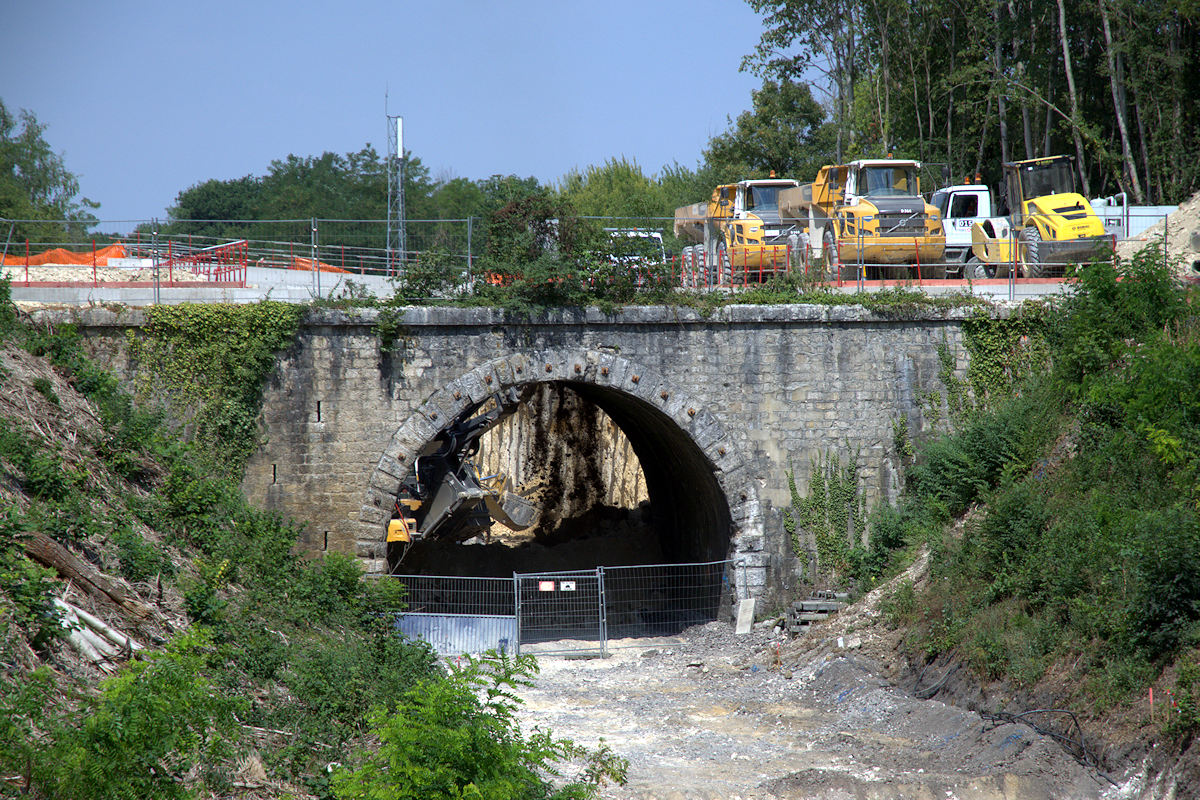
(962,206)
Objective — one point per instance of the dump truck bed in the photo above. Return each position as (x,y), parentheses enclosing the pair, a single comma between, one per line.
(689,222)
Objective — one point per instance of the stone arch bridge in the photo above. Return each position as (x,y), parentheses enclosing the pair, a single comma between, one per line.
(716,408)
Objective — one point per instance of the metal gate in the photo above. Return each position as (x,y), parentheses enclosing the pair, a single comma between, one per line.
(577,611)
(565,608)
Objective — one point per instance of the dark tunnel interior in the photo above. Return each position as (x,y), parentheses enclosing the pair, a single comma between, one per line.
(683,516)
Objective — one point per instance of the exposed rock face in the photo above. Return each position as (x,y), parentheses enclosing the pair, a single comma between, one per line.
(565,454)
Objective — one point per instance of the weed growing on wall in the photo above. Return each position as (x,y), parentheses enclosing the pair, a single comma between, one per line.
(208,363)
(1004,353)
(832,513)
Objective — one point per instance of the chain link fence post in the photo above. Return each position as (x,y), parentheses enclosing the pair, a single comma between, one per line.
(154,253)
(517,610)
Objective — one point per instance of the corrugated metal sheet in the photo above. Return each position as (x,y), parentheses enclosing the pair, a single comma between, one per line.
(455,634)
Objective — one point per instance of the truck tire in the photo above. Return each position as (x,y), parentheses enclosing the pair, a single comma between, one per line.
(978,270)
(981,270)
(724,266)
(692,277)
(829,255)
(1031,237)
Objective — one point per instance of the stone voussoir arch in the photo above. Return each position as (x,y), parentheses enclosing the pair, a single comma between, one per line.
(603,369)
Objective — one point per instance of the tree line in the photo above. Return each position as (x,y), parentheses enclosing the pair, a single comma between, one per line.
(974,84)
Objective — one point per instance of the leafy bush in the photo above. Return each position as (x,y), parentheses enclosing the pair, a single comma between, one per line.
(138,560)
(1089,538)
(1110,309)
(27,590)
(151,723)
(8,311)
(458,737)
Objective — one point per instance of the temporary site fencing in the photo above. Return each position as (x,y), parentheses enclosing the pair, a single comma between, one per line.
(183,251)
(564,612)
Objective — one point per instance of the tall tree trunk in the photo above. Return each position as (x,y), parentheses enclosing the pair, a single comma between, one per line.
(1177,105)
(1066,49)
(1114,80)
(1027,129)
(983,138)
(929,100)
(1048,130)
(1015,57)
(1001,89)
(884,35)
(950,98)
(1141,125)
(849,23)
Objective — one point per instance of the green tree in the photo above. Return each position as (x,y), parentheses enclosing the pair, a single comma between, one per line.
(207,208)
(617,188)
(35,184)
(783,132)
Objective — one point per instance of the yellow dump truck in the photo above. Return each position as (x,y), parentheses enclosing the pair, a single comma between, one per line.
(1049,226)
(737,236)
(868,213)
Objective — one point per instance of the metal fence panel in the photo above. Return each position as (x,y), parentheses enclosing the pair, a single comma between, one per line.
(561,607)
(455,594)
(455,634)
(663,599)
(563,612)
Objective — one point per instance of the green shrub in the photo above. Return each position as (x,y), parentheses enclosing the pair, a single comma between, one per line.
(151,723)
(138,560)
(27,591)
(43,387)
(1166,605)
(8,311)
(458,737)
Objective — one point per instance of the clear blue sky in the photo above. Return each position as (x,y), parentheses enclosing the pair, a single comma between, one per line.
(144,99)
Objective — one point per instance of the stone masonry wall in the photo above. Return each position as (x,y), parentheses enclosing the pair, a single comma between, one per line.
(756,388)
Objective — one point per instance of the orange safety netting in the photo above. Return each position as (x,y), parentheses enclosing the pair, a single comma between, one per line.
(58,255)
(307,265)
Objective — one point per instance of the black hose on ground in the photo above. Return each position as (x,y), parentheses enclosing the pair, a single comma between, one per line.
(1079,750)
(928,692)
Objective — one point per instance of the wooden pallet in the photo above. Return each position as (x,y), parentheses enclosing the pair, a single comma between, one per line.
(820,605)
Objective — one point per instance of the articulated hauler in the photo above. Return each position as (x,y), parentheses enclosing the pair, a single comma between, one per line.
(737,232)
(868,213)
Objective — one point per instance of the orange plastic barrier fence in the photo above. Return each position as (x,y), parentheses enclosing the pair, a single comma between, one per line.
(306,264)
(58,255)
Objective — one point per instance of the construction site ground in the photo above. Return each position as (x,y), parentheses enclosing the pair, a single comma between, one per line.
(826,715)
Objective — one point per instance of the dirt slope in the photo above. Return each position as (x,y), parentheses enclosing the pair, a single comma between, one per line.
(1181,232)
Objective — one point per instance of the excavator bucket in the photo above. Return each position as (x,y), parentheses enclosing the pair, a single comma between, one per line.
(506,506)
(512,510)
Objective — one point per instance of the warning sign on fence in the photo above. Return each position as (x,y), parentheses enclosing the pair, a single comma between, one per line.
(566,586)
(545,586)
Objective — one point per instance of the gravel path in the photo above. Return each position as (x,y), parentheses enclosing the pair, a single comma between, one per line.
(710,715)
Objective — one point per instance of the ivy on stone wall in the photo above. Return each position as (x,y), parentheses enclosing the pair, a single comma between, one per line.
(1001,354)
(207,364)
(833,513)
(1004,352)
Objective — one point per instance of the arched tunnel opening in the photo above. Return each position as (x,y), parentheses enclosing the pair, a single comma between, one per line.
(610,481)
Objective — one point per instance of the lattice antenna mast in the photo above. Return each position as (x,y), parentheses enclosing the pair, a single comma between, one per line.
(397,239)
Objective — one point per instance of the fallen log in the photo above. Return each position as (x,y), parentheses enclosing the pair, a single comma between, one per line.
(89,645)
(45,550)
(121,642)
